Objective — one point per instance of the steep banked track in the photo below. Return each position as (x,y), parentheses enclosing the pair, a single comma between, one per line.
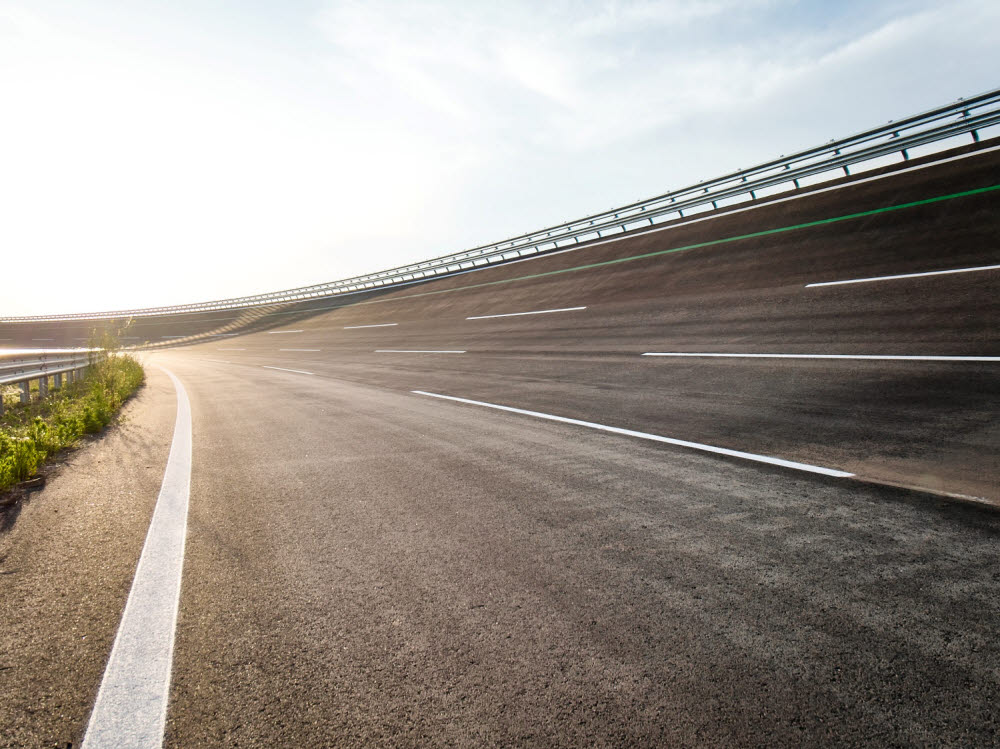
(745,290)
(367,564)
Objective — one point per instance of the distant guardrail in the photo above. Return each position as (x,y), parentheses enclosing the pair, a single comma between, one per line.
(966,116)
(21,369)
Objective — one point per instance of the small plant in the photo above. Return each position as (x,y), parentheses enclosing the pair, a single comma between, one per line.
(32,432)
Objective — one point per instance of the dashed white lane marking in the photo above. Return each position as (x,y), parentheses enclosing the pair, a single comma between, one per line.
(217,361)
(232,349)
(648,436)
(379,325)
(283,369)
(298,349)
(280,332)
(173,336)
(904,275)
(415,351)
(43,339)
(860,357)
(518,314)
(131,705)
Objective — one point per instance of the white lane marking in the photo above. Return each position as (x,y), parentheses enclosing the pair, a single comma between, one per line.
(414,351)
(648,436)
(716,214)
(279,332)
(379,325)
(217,361)
(43,339)
(298,349)
(518,314)
(131,705)
(282,369)
(862,357)
(232,349)
(173,336)
(904,275)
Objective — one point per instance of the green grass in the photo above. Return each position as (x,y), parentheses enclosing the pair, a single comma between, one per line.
(32,432)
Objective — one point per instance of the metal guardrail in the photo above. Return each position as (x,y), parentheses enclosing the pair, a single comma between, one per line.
(21,369)
(966,116)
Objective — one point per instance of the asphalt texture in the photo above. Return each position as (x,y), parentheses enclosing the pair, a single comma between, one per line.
(370,566)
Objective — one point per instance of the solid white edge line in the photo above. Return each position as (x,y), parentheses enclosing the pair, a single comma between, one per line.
(861,357)
(279,332)
(518,314)
(647,436)
(131,705)
(904,275)
(298,349)
(283,369)
(379,325)
(413,351)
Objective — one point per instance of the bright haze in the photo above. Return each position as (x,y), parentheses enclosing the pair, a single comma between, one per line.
(163,153)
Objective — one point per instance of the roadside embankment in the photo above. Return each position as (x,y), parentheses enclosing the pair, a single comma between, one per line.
(32,432)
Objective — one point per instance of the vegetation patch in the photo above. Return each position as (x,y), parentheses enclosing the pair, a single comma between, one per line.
(32,432)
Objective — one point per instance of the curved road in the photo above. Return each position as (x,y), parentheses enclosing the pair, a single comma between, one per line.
(525,560)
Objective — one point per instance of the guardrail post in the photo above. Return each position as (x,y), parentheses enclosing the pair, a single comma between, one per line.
(1,400)
(25,392)
(43,386)
(57,380)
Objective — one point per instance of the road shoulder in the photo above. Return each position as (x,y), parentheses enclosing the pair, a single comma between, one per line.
(66,566)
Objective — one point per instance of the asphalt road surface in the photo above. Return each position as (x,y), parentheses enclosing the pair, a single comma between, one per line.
(370,563)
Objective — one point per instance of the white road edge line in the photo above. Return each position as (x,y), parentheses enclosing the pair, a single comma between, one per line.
(279,332)
(647,436)
(904,275)
(408,351)
(298,349)
(282,369)
(131,705)
(860,357)
(379,325)
(518,314)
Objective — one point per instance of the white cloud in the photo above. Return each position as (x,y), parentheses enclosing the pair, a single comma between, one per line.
(380,132)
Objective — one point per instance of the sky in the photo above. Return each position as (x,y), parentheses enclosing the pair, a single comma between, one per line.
(156,153)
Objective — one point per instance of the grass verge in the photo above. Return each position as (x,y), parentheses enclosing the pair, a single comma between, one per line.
(32,432)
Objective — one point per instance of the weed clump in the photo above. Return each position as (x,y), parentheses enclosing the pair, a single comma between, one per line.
(32,432)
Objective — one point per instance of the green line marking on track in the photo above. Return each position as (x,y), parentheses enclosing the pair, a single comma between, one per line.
(710,243)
